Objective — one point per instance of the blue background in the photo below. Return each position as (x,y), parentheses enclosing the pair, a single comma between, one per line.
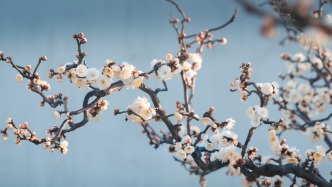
(112,152)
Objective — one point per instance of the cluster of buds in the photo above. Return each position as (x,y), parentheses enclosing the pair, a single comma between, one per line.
(80,37)
(21,131)
(37,84)
(289,153)
(206,38)
(54,129)
(271,181)
(48,144)
(242,83)
(9,126)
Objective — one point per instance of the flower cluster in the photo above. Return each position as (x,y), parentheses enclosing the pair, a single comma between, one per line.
(256,115)
(316,156)
(318,131)
(183,150)
(269,89)
(140,110)
(37,84)
(22,132)
(84,77)
(191,66)
(165,71)
(243,82)
(281,149)
(228,154)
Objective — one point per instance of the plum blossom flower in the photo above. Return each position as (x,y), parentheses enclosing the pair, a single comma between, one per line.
(19,78)
(206,121)
(109,72)
(56,115)
(164,72)
(103,82)
(230,122)
(178,116)
(189,149)
(61,69)
(92,74)
(81,70)
(141,107)
(64,144)
(267,88)
(181,154)
(136,82)
(126,71)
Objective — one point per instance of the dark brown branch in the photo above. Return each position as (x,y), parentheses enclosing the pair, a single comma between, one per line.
(270,170)
(160,111)
(250,133)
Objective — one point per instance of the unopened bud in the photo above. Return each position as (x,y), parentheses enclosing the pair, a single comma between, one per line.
(84,41)
(9,59)
(43,58)
(81,35)
(169,57)
(223,41)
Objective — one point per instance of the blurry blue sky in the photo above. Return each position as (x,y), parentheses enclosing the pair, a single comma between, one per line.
(112,152)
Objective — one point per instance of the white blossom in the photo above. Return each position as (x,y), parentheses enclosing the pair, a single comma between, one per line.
(153,63)
(19,78)
(255,120)
(178,116)
(56,115)
(189,149)
(141,106)
(92,74)
(103,82)
(230,122)
(61,69)
(109,72)
(189,74)
(195,58)
(81,70)
(267,88)
(180,154)
(250,112)
(64,144)
(263,112)
(298,57)
(209,146)
(186,140)
(206,121)
(126,71)
(136,82)
(164,72)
